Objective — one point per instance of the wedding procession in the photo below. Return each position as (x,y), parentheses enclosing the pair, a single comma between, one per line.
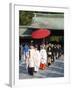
(41,44)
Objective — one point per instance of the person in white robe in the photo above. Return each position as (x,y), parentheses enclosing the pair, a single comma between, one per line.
(43,55)
(31,60)
(36,59)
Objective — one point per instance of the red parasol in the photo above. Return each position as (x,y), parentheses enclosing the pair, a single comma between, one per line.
(40,33)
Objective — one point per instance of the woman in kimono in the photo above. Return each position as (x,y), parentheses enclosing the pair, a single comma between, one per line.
(31,60)
(43,56)
(36,59)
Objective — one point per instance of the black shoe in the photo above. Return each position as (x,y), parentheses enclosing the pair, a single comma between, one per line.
(35,71)
(49,64)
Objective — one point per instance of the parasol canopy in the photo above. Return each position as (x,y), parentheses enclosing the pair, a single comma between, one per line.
(40,33)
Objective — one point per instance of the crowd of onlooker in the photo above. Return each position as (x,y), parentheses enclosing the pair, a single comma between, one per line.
(40,56)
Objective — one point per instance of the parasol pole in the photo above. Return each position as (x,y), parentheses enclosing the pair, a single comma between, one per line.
(44,40)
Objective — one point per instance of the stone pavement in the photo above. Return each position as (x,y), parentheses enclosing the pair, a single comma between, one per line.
(56,69)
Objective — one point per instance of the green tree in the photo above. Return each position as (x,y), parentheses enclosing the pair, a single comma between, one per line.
(25,17)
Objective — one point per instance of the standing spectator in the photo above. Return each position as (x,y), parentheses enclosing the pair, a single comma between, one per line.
(26,54)
(19,52)
(60,51)
(52,52)
(22,53)
(49,54)
(55,51)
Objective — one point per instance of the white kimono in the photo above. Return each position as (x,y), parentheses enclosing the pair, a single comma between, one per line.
(36,60)
(43,55)
(31,58)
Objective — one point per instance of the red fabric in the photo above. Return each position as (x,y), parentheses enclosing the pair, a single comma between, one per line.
(41,33)
(42,66)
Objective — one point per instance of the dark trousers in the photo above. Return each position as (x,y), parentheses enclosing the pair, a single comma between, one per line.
(30,70)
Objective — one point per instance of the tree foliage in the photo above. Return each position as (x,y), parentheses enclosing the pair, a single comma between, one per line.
(25,17)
